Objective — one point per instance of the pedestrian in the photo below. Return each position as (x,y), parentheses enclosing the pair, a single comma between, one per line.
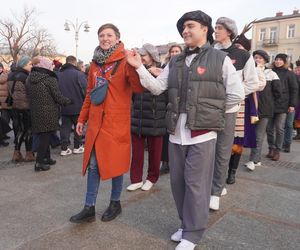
(107,140)
(72,84)
(147,125)
(174,50)
(201,82)
(21,109)
(266,98)
(45,101)
(284,110)
(225,32)
(297,114)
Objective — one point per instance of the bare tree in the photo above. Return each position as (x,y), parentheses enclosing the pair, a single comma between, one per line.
(23,36)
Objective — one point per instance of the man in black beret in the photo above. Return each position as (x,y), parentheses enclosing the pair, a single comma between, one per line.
(201,81)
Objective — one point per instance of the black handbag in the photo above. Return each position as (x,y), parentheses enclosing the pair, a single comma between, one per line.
(9,100)
(98,93)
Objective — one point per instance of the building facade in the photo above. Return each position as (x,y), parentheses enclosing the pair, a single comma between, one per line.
(278,34)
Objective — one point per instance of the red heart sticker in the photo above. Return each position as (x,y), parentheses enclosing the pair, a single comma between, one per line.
(233,61)
(201,70)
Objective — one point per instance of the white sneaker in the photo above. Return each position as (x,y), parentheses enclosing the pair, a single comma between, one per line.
(258,164)
(135,186)
(250,165)
(224,192)
(79,150)
(66,152)
(214,203)
(185,245)
(177,236)
(147,185)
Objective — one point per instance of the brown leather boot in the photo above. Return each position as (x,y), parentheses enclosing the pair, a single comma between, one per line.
(271,153)
(276,155)
(29,156)
(17,157)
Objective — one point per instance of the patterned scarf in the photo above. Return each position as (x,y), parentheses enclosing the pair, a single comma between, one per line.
(100,55)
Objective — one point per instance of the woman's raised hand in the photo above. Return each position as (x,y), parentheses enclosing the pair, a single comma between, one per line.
(133,58)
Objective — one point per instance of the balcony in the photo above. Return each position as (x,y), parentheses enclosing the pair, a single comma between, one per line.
(270,42)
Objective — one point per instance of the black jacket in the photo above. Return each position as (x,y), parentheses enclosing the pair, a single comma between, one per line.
(289,88)
(271,92)
(45,98)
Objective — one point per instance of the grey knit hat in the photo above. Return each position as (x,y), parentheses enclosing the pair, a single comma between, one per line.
(230,25)
(151,50)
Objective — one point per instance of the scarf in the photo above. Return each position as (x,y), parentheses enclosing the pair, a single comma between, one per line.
(100,55)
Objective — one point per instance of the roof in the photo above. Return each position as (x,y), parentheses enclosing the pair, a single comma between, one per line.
(276,18)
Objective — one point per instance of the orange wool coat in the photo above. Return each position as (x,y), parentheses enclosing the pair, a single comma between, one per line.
(108,124)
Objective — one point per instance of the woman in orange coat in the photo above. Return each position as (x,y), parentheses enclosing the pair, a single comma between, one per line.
(107,140)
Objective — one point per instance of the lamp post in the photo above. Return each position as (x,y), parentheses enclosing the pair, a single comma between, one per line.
(76,28)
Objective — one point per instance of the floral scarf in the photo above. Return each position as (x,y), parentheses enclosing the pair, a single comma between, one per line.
(100,55)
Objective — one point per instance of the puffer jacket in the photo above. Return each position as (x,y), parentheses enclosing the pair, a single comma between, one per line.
(20,99)
(3,91)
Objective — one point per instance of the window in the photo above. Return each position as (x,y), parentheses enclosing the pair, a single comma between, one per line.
(289,52)
(273,34)
(291,31)
(262,34)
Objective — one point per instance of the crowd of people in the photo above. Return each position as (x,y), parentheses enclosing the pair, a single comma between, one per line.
(193,113)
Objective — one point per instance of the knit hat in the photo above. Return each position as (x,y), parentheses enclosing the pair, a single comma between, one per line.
(200,17)
(230,25)
(57,63)
(282,56)
(244,41)
(263,54)
(23,61)
(151,50)
(42,62)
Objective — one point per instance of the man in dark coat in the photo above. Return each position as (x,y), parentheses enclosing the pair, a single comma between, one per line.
(72,83)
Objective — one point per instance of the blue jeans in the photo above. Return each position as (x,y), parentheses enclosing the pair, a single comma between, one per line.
(288,130)
(93,182)
(275,131)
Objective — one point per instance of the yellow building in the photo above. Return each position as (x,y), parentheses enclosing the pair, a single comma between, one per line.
(278,34)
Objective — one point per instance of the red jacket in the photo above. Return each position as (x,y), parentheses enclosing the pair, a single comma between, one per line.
(108,127)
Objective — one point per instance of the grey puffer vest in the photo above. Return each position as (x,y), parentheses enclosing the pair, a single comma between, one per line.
(205,92)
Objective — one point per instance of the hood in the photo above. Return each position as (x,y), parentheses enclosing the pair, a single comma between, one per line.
(68,66)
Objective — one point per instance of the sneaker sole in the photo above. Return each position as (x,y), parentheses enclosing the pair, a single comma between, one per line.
(89,219)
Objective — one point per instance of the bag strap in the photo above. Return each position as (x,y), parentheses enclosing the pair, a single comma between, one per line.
(115,68)
(13,87)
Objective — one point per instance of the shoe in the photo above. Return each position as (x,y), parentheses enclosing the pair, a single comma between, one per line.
(177,236)
(257,164)
(287,148)
(250,165)
(165,169)
(79,150)
(87,214)
(49,161)
(214,203)
(135,186)
(29,156)
(271,153)
(41,167)
(276,155)
(224,192)
(4,143)
(231,177)
(185,245)
(66,152)
(17,157)
(147,185)
(113,210)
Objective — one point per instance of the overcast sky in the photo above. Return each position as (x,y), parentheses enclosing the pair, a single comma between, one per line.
(151,21)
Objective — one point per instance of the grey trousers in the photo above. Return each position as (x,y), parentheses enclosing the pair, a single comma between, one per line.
(223,154)
(191,170)
(260,131)
(275,131)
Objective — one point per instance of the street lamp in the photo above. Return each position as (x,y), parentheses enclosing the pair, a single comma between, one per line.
(76,28)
